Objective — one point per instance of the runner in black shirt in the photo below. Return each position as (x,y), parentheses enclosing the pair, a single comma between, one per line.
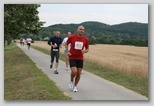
(55,43)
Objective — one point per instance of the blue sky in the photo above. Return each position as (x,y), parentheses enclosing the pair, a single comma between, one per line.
(106,13)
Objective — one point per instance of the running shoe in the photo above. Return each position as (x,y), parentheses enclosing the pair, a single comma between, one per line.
(75,89)
(71,85)
(51,66)
(55,72)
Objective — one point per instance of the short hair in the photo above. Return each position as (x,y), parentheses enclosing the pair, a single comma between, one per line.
(68,32)
(80,26)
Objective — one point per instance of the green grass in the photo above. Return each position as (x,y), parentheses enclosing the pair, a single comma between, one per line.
(137,84)
(24,81)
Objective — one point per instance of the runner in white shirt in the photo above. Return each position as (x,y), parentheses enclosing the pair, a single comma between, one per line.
(28,40)
(64,43)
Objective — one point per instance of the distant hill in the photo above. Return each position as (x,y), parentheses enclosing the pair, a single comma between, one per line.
(130,33)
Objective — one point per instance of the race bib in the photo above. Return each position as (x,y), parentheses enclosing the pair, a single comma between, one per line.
(78,45)
(55,49)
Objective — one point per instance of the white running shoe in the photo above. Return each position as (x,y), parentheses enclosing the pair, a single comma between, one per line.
(75,89)
(71,85)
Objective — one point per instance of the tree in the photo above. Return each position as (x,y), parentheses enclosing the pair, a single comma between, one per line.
(19,19)
(91,39)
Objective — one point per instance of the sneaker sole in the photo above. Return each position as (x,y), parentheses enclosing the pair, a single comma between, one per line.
(74,91)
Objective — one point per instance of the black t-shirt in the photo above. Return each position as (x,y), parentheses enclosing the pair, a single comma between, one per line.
(55,41)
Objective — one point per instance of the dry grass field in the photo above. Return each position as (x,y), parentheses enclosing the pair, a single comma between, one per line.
(127,59)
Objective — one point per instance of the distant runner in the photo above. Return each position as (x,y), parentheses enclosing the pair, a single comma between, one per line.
(28,41)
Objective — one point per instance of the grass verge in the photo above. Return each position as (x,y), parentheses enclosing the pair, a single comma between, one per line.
(24,81)
(136,84)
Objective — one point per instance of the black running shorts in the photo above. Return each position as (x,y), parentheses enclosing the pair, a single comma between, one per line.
(54,54)
(28,44)
(76,63)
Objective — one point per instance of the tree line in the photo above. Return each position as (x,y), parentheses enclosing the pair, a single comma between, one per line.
(130,33)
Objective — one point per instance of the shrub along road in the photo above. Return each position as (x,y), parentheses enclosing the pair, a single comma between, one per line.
(90,87)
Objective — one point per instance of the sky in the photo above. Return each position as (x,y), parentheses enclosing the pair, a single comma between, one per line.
(110,14)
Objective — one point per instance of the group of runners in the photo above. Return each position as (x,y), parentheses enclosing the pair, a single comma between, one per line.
(75,46)
(27,41)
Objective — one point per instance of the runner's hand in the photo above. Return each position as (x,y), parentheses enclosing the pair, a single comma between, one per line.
(54,46)
(69,54)
(83,51)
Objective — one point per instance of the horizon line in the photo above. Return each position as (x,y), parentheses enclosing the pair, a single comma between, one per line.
(96,21)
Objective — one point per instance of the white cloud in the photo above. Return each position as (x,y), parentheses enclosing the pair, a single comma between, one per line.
(108,14)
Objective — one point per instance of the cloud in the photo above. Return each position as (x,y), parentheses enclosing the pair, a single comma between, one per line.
(119,13)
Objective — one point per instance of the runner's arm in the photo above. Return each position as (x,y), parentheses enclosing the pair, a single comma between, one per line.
(67,52)
(85,51)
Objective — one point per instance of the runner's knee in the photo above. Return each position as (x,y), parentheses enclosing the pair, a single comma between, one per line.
(74,71)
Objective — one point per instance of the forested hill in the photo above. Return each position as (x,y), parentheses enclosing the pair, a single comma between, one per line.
(131,33)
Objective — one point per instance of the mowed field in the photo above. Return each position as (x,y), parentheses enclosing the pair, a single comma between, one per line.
(127,59)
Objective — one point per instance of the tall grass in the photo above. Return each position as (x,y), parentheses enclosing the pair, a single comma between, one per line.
(126,59)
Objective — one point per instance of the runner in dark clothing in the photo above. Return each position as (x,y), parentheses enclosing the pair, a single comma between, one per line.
(55,43)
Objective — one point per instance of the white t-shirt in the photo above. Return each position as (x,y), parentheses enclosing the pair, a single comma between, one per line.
(29,40)
(64,41)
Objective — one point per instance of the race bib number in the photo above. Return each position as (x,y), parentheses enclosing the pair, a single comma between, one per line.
(78,45)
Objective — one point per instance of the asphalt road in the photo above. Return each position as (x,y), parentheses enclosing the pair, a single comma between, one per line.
(90,87)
